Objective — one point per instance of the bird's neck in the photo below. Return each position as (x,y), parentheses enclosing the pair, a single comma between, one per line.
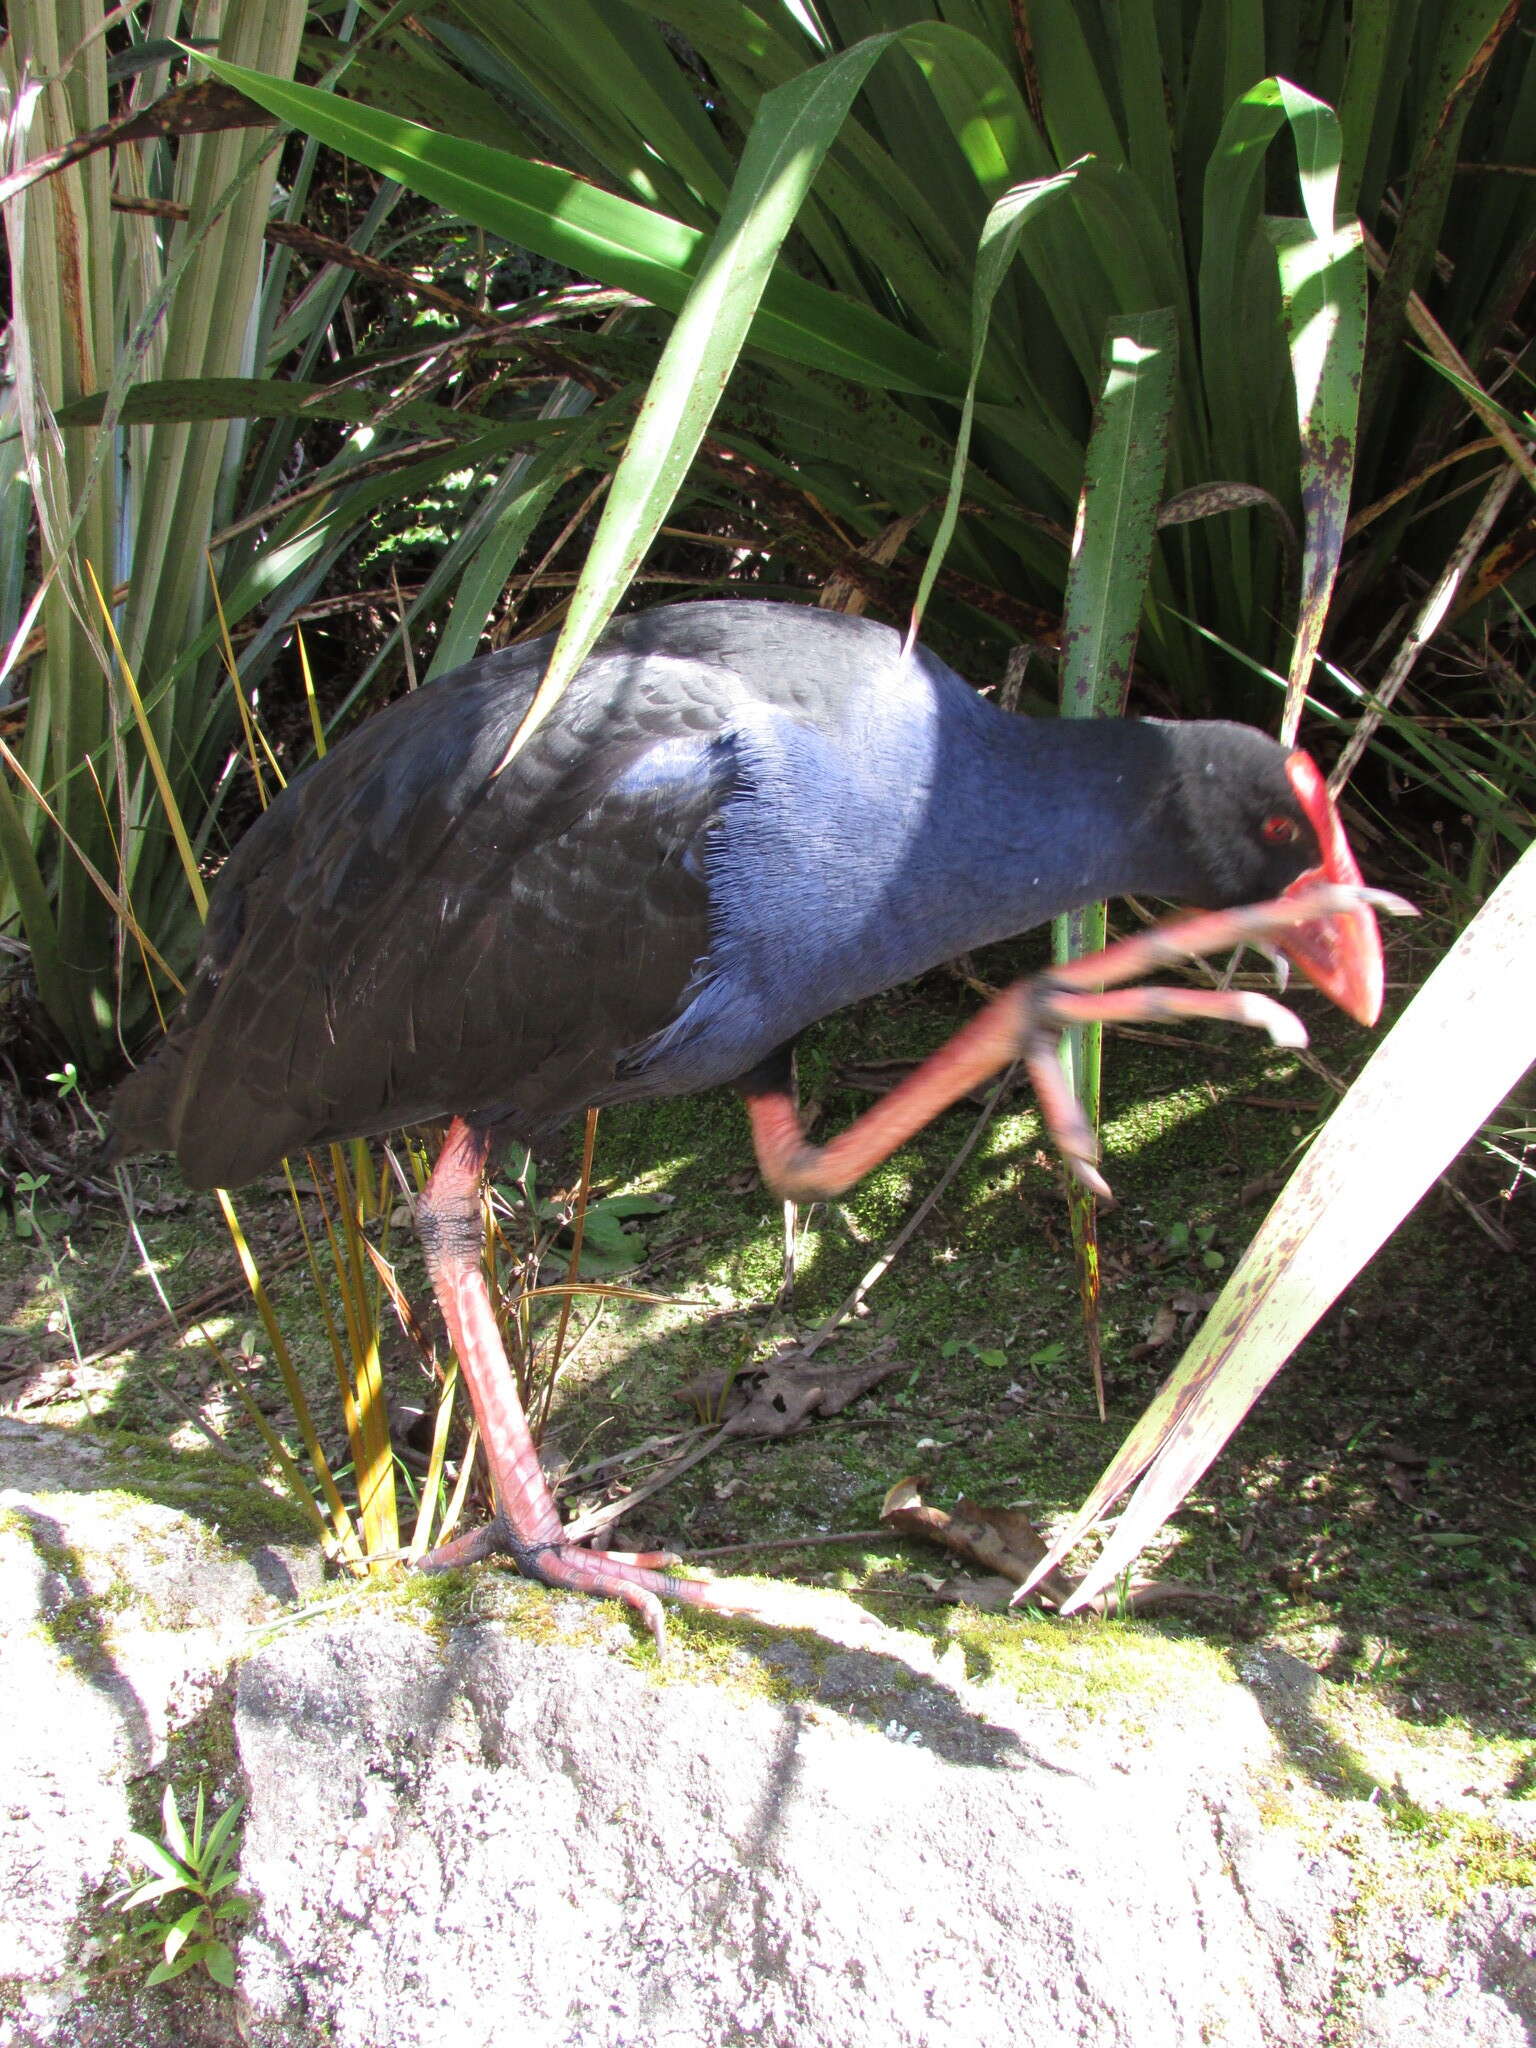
(941,824)
(1050,814)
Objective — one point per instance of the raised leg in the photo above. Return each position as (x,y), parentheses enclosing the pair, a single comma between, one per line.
(527,1524)
(1025,1021)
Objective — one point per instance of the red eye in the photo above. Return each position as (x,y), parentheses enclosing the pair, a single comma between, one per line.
(1281,831)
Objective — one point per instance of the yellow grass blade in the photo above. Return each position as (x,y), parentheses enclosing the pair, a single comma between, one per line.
(315,724)
(421,1537)
(255,738)
(121,906)
(168,801)
(341,1521)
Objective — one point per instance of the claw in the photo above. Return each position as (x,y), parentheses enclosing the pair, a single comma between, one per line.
(1280,966)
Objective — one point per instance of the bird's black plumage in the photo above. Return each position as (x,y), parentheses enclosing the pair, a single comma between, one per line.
(739,818)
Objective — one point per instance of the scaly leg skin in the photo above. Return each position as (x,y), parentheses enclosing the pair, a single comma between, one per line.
(1025,1021)
(527,1524)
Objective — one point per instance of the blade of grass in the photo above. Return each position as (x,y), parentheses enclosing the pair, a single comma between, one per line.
(1322,288)
(1431,617)
(598,234)
(377,1495)
(341,1522)
(121,907)
(169,806)
(1106,590)
(794,128)
(359,1380)
(1005,223)
(432,1481)
(302,1495)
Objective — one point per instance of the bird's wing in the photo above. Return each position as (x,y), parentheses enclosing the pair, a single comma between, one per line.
(410,934)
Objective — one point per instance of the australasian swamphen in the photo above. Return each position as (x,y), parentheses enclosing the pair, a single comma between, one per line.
(741,817)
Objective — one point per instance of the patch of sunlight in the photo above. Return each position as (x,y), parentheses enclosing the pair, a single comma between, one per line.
(1142,1123)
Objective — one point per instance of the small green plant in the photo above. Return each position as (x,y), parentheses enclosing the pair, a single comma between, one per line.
(27,1187)
(1186,1240)
(997,1358)
(611,1241)
(201,1865)
(66,1081)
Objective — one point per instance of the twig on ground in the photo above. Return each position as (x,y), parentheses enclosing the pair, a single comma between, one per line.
(818,1541)
(597,1519)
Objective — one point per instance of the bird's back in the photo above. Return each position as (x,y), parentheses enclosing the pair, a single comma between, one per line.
(408,933)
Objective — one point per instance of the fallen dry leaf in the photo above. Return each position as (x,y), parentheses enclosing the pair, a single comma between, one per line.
(988,1596)
(1398,1453)
(1006,1544)
(780,1397)
(1000,1540)
(1404,1484)
(1161,1330)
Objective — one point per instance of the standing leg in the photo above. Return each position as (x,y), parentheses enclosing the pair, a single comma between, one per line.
(527,1523)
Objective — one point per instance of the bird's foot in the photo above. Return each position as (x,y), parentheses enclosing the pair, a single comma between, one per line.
(1026,1021)
(641,1579)
(1088,990)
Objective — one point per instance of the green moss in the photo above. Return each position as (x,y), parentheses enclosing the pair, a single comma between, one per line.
(235,1504)
(1406,1864)
(1093,1670)
(75,1625)
(1458,1854)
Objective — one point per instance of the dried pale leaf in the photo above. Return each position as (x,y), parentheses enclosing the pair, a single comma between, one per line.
(1000,1540)
(987,1596)
(1150,1596)
(1007,1545)
(1404,1484)
(777,1399)
(906,1493)
(1400,1453)
(1161,1330)
(1192,1304)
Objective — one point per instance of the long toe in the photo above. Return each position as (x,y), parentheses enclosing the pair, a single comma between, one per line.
(633,1577)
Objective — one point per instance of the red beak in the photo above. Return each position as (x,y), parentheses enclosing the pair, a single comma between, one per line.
(1340,954)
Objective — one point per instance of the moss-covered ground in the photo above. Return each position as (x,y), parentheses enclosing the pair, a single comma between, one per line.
(1375,1516)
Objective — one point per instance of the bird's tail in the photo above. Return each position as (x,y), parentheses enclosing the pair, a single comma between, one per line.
(142,1111)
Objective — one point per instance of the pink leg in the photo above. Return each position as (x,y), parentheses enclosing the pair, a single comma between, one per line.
(1026,1021)
(527,1524)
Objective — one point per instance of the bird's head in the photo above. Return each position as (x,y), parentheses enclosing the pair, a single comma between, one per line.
(1264,825)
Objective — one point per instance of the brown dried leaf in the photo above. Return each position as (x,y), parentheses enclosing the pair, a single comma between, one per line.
(1000,1540)
(1403,1483)
(1007,1545)
(1398,1453)
(1161,1330)
(1191,1304)
(988,1596)
(775,1399)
